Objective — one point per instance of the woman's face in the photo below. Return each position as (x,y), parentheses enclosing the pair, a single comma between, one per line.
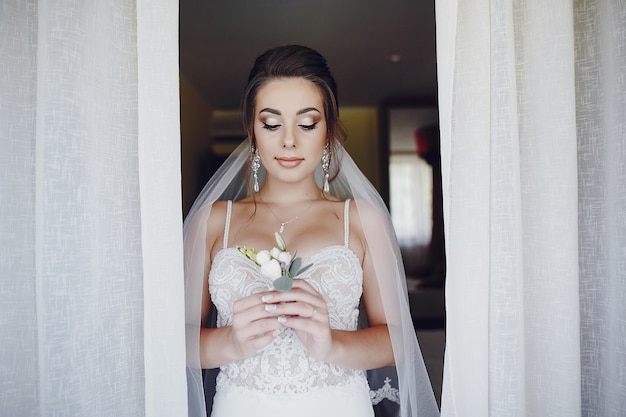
(290,128)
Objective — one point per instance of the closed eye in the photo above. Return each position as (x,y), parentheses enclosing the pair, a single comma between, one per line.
(270,127)
(309,127)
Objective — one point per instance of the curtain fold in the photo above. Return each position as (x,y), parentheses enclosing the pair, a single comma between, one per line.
(601,107)
(532,106)
(90,221)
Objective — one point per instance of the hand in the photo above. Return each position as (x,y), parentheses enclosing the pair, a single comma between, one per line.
(254,324)
(305,311)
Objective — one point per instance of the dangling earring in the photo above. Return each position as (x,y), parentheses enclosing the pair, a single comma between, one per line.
(326,166)
(256,164)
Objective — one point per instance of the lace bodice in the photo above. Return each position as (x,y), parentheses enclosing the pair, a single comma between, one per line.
(284,366)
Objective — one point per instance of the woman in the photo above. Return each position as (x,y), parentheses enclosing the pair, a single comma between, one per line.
(298,351)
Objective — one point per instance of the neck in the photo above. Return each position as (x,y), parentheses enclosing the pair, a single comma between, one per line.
(290,202)
(289,193)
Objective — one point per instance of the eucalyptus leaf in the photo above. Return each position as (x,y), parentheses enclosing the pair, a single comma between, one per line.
(283,283)
(301,270)
(295,266)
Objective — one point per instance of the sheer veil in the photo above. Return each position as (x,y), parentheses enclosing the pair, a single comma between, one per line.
(406,384)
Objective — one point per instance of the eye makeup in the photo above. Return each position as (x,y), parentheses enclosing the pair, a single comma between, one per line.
(307,118)
(270,126)
(308,123)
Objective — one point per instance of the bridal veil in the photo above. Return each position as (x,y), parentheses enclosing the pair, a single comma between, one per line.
(404,390)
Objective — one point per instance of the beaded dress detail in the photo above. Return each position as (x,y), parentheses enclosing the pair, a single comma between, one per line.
(284,367)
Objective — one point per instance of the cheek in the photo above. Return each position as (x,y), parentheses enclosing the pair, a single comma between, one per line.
(262,137)
(317,152)
(258,131)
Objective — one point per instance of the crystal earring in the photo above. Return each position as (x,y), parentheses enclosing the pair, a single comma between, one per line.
(326,166)
(256,164)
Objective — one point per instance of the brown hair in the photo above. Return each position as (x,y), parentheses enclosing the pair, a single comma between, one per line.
(295,61)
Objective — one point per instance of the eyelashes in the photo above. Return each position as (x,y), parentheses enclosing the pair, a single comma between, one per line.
(309,127)
(272,128)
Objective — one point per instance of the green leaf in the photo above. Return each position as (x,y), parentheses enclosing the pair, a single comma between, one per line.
(295,266)
(283,283)
(301,270)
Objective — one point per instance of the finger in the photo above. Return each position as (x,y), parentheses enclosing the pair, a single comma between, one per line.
(266,326)
(305,286)
(298,302)
(253,300)
(316,328)
(298,295)
(257,313)
(254,344)
(304,310)
(244,333)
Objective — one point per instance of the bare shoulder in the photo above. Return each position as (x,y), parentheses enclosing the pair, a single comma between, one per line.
(364,213)
(220,208)
(358,243)
(215,224)
(242,209)
(218,214)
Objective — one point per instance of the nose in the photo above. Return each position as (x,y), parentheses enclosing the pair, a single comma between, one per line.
(289,137)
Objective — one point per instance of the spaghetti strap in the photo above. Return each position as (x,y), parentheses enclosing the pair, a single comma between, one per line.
(229,207)
(346,223)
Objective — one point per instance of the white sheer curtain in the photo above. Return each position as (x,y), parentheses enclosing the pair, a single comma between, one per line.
(533,114)
(91,290)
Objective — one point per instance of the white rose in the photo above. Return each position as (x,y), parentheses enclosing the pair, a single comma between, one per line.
(275,253)
(263,257)
(272,269)
(284,257)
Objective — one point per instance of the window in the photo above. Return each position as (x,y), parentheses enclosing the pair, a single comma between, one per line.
(410,193)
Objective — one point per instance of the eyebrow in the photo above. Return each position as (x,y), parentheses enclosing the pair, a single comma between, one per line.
(278,113)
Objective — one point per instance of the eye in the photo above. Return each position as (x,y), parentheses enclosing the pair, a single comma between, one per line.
(270,127)
(309,127)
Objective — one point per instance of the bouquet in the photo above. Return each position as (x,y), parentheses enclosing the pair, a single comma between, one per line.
(276,264)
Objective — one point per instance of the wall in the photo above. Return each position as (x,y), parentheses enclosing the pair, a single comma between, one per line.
(363,137)
(195,115)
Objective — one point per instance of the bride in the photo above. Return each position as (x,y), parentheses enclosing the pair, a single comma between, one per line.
(289,259)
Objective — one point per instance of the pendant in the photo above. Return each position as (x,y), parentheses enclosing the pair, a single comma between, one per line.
(282,228)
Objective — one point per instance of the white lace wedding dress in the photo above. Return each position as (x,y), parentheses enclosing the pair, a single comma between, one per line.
(282,379)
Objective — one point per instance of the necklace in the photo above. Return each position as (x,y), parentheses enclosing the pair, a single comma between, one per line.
(285,223)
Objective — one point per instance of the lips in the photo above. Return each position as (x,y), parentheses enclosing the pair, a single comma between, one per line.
(289,162)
